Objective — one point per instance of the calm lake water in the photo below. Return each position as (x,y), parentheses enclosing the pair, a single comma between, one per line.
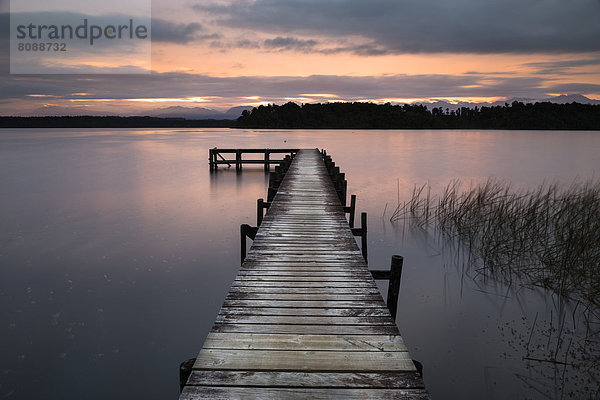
(117,248)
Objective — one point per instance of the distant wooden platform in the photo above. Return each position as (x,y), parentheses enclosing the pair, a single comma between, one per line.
(304,318)
(215,157)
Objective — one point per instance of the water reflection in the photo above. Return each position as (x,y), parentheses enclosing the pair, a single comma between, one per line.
(548,343)
(118,247)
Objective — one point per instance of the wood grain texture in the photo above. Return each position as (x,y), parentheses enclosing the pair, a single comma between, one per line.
(372,380)
(315,312)
(255,341)
(301,360)
(300,320)
(234,393)
(308,329)
(361,304)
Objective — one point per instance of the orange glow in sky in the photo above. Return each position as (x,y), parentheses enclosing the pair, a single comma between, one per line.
(226,53)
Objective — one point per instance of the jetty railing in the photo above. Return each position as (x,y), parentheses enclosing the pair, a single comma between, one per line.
(216,158)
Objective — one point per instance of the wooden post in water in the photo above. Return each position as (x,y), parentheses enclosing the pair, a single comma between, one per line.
(393,276)
(363,226)
(362,232)
(259,211)
(238,160)
(211,159)
(273,185)
(185,370)
(345,191)
(267,156)
(352,209)
(246,231)
(341,178)
(271,192)
(394,285)
(243,242)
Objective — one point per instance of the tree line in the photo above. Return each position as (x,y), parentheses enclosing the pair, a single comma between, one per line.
(544,115)
(111,122)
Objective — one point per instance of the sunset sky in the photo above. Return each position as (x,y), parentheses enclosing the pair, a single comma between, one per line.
(220,54)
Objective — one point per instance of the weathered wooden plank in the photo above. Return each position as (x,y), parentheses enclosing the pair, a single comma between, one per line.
(298,226)
(302,275)
(373,380)
(284,257)
(273,248)
(352,264)
(283,360)
(295,278)
(266,233)
(314,290)
(306,217)
(298,311)
(307,269)
(347,342)
(305,304)
(312,269)
(292,254)
(307,233)
(291,285)
(308,329)
(301,320)
(307,244)
(235,393)
(312,227)
(300,272)
(277,237)
(301,296)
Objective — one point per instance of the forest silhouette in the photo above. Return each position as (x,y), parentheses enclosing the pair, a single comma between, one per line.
(358,115)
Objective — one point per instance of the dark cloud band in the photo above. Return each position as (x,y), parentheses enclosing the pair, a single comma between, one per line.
(405,26)
(167,31)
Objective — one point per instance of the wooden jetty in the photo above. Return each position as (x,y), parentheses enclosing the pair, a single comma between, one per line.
(304,317)
(215,157)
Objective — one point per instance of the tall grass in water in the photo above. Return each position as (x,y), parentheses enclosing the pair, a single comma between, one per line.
(548,237)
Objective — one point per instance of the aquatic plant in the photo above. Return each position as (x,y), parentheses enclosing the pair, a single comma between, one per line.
(548,237)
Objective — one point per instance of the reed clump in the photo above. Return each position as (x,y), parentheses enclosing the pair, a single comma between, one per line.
(548,237)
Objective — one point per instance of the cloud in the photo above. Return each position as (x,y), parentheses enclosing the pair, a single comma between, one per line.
(558,67)
(426,26)
(162,30)
(289,43)
(575,88)
(167,31)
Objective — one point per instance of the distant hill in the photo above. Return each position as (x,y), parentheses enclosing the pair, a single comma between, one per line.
(570,98)
(191,113)
(562,99)
(235,112)
(197,112)
(111,122)
(183,112)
